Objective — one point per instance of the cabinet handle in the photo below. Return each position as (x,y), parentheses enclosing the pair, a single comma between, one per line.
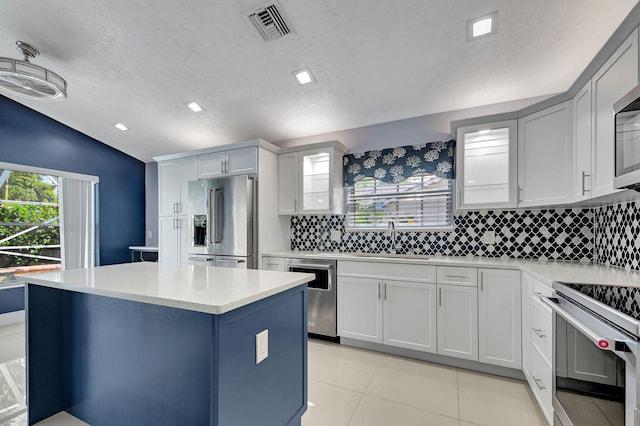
(481,281)
(379,290)
(538,381)
(584,189)
(538,332)
(385,291)
(175,207)
(520,194)
(295,205)
(456,276)
(440,296)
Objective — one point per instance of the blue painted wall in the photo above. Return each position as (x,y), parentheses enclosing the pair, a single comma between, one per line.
(11,300)
(30,138)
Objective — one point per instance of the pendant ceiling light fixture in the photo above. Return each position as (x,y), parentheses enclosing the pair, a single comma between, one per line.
(22,78)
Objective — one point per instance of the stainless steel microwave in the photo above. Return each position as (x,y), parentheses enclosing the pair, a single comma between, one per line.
(627,141)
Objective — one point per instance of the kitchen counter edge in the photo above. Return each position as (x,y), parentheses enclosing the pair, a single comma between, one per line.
(545,271)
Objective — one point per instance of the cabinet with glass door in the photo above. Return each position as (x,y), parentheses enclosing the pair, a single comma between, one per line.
(310,180)
(487,165)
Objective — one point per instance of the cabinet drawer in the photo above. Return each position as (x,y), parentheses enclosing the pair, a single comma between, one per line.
(273,263)
(540,383)
(541,325)
(457,275)
(391,271)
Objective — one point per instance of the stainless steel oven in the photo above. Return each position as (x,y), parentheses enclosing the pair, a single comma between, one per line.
(595,355)
(322,294)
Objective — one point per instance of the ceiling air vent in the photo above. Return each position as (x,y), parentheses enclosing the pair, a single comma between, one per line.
(269,22)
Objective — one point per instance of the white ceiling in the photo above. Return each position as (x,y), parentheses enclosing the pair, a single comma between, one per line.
(138,62)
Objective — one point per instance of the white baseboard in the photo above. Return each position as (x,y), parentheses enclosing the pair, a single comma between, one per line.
(12,317)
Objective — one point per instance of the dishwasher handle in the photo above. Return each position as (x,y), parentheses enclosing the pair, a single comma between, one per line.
(310,266)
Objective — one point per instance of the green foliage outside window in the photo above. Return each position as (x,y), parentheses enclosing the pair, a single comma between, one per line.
(28,201)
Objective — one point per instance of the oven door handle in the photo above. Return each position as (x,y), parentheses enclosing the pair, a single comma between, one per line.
(601,342)
(310,266)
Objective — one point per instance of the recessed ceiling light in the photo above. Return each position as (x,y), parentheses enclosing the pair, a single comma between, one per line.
(193,106)
(482,26)
(121,127)
(304,76)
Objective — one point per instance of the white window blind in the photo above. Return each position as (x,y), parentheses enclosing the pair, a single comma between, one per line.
(78,224)
(421,201)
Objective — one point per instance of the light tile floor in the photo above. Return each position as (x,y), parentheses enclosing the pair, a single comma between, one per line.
(355,387)
(349,386)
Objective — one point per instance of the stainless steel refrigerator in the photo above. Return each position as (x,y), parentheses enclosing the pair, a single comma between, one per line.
(222,222)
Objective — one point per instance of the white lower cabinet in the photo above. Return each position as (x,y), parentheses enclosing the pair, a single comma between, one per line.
(271,263)
(360,308)
(527,286)
(398,312)
(409,315)
(540,382)
(174,240)
(458,321)
(537,338)
(499,318)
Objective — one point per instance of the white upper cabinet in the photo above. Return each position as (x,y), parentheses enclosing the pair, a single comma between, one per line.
(616,77)
(310,181)
(545,141)
(228,163)
(486,165)
(288,183)
(582,110)
(173,181)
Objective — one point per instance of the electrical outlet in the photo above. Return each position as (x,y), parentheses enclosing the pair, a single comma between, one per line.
(149,234)
(489,237)
(335,235)
(262,346)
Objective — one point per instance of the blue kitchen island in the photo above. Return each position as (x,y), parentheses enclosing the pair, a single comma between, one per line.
(155,344)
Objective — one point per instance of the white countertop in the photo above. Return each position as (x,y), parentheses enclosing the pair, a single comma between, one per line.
(545,271)
(198,288)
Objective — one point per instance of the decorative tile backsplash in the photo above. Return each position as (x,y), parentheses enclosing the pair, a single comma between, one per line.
(608,235)
(554,234)
(617,235)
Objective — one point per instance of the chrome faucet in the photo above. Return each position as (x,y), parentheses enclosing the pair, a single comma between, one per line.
(391,233)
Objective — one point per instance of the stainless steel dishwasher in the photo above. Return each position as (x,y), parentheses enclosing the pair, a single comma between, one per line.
(322,294)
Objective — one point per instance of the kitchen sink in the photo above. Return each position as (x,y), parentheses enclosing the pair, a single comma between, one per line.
(392,256)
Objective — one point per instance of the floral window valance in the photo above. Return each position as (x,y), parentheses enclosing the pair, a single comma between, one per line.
(394,165)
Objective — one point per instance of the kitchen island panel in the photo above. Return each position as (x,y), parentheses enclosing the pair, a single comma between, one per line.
(109,361)
(117,360)
(275,388)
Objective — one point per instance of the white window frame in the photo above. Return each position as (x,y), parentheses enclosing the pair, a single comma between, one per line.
(68,175)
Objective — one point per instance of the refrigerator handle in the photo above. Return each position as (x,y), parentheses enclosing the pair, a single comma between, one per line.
(210,217)
(218,214)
